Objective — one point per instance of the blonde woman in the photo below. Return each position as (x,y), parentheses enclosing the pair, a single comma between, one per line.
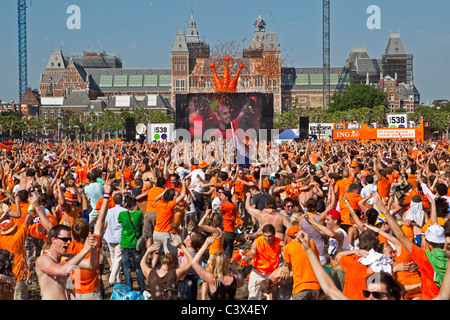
(223,279)
(216,231)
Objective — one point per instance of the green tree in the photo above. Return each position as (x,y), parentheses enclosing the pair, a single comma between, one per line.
(357,96)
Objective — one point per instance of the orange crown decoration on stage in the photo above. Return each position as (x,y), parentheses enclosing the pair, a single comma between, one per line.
(225,85)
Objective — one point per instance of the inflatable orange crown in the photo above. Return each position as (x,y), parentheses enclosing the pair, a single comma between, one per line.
(225,85)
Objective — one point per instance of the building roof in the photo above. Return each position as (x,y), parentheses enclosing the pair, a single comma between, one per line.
(192,33)
(179,44)
(129,80)
(77,98)
(123,102)
(95,59)
(369,66)
(312,78)
(395,46)
(355,54)
(96,106)
(30,97)
(56,61)
(156,102)
(50,77)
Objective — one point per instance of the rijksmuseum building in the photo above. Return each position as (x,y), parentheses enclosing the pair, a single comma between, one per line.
(94,81)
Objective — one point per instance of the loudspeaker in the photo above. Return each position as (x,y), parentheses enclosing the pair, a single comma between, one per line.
(304,128)
(130,124)
(181,111)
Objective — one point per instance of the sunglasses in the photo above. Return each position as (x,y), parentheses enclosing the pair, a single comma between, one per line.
(376,294)
(64,239)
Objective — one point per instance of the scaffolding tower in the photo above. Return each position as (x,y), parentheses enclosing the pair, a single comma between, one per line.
(326,53)
(22,24)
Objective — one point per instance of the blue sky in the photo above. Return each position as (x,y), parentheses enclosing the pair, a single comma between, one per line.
(142,31)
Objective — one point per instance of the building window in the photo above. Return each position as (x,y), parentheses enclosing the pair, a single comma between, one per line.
(301,80)
(106,81)
(151,81)
(64,92)
(52,113)
(180,85)
(120,81)
(391,97)
(316,79)
(71,88)
(165,81)
(258,82)
(135,81)
(45,113)
(193,82)
(272,84)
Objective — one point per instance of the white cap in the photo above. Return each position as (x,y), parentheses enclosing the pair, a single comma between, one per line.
(435,233)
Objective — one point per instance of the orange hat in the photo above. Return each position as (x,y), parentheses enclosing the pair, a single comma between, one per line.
(202,164)
(38,231)
(354,164)
(7,227)
(292,231)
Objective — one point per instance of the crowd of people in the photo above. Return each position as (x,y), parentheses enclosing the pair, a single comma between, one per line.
(337,220)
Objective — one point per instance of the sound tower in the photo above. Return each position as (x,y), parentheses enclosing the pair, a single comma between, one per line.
(130,124)
(304,128)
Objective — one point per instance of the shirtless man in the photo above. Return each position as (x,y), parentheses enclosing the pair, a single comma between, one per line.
(52,272)
(268,215)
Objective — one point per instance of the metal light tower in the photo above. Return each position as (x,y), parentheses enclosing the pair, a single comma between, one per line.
(326,53)
(22,23)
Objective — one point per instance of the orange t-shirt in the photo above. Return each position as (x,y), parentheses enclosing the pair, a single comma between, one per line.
(217,245)
(429,287)
(86,280)
(23,213)
(81,172)
(99,203)
(342,185)
(407,277)
(303,273)
(226,185)
(383,187)
(164,215)
(127,174)
(267,257)
(353,199)
(214,193)
(355,277)
(239,189)
(412,180)
(178,217)
(15,244)
(152,194)
(229,213)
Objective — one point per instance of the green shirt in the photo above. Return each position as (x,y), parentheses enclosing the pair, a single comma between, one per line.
(129,238)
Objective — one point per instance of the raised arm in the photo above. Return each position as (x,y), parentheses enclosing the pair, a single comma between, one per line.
(326,282)
(398,232)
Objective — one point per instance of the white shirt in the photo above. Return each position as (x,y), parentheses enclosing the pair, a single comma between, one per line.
(195,175)
(113,231)
(216,203)
(365,192)
(182,172)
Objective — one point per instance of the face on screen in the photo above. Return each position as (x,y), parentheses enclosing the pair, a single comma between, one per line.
(222,111)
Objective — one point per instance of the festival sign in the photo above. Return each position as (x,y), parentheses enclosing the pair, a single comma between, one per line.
(161,132)
(397,120)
